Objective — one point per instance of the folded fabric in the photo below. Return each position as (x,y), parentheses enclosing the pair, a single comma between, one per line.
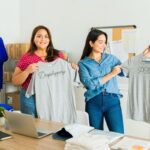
(76,147)
(71,130)
(72,147)
(88,142)
(77,129)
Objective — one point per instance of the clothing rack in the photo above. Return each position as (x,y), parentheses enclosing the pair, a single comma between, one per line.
(119,26)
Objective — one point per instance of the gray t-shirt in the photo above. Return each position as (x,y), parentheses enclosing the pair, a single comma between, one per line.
(53,86)
(138,71)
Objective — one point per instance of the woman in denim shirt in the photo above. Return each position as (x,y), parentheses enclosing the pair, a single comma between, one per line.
(98,72)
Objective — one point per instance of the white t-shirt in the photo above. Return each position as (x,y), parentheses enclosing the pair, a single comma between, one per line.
(53,86)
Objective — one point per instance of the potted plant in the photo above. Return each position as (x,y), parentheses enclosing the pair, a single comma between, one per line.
(2,119)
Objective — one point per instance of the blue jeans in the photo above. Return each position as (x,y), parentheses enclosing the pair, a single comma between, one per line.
(27,105)
(105,105)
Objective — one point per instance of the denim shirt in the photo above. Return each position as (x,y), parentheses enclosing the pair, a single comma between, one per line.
(92,72)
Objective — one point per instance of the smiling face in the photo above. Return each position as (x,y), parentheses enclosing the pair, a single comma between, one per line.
(99,45)
(41,39)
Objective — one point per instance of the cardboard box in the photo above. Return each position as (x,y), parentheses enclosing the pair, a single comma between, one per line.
(13,100)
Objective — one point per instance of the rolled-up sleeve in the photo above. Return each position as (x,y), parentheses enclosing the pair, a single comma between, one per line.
(118,62)
(87,80)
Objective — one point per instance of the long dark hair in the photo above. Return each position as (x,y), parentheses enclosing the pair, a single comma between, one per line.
(51,52)
(92,36)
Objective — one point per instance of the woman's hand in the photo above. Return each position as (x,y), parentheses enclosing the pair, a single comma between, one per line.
(74,66)
(146,52)
(32,68)
(116,70)
(20,76)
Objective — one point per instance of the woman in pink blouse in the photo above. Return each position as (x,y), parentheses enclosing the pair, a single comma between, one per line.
(41,49)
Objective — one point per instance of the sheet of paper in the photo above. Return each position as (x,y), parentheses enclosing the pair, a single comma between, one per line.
(128,143)
(129,40)
(116,48)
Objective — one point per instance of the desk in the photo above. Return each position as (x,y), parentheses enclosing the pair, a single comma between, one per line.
(20,142)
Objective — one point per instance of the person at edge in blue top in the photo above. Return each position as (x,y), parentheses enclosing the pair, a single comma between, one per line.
(98,71)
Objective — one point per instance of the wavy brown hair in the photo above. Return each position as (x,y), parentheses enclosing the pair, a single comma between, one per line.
(51,52)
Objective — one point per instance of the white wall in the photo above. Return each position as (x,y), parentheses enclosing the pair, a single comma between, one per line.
(70,21)
(10,20)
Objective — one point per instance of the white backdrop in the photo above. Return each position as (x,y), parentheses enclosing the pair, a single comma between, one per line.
(70,20)
(10,20)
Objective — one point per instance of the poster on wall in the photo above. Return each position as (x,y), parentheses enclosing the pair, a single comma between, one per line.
(121,40)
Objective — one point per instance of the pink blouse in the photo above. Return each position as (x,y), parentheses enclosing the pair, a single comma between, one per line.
(28,59)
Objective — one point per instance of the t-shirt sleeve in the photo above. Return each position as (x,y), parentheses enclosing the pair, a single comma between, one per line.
(22,63)
(3,53)
(125,67)
(31,88)
(116,61)
(75,76)
(61,55)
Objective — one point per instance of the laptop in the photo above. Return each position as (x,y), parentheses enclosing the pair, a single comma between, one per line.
(24,124)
